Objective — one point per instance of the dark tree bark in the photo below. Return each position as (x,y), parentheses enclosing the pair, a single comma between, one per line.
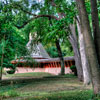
(89,46)
(96,29)
(61,57)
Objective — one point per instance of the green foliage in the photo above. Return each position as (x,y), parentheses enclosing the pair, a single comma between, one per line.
(12,42)
(52,51)
(48,30)
(12,71)
(73,67)
(74,70)
(17,13)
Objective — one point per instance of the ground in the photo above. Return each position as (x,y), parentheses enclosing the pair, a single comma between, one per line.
(43,86)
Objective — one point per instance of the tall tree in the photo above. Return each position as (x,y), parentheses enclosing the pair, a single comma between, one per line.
(85,64)
(11,39)
(2,57)
(89,46)
(57,41)
(96,28)
(58,10)
(61,58)
(74,42)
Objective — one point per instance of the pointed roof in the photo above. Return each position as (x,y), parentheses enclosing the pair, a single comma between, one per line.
(36,50)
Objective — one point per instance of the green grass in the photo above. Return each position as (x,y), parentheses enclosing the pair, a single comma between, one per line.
(43,86)
(35,75)
(64,95)
(8,94)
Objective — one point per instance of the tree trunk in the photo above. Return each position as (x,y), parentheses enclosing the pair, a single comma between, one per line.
(96,29)
(61,57)
(85,64)
(89,46)
(1,66)
(74,43)
(2,58)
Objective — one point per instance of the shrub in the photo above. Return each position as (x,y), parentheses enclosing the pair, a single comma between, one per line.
(12,71)
(73,68)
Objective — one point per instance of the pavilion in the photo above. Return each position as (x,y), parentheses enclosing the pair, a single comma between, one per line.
(44,63)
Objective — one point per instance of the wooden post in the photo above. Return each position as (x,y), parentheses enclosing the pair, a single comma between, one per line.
(52,64)
(55,65)
(71,63)
(49,65)
(59,64)
(68,63)
(65,64)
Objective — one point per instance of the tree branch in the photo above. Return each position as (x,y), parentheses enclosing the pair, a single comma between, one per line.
(37,16)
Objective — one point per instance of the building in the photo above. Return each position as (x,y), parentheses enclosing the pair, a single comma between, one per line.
(40,61)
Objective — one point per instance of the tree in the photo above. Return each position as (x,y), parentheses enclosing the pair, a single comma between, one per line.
(89,46)
(61,58)
(85,64)
(96,28)
(2,57)
(11,39)
(57,9)
(35,17)
(74,41)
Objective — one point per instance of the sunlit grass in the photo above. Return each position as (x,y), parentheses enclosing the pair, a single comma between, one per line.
(34,74)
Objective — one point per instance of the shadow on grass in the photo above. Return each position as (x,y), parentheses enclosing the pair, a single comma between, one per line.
(30,79)
(59,87)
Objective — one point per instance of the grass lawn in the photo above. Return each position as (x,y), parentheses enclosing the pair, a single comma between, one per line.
(27,75)
(43,86)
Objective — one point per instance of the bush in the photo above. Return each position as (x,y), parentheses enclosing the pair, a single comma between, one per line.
(12,71)
(12,68)
(73,68)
